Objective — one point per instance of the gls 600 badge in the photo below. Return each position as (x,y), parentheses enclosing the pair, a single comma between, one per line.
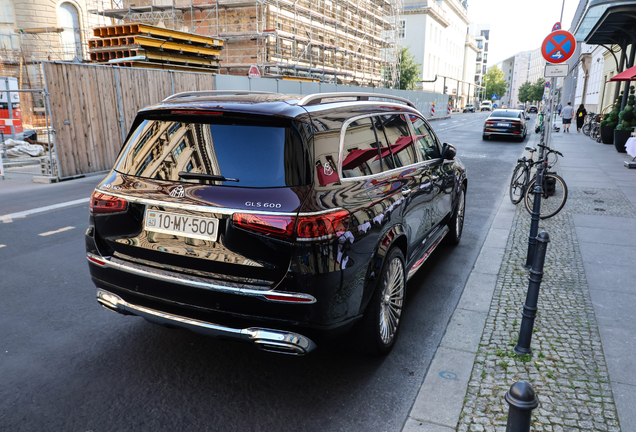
(264,205)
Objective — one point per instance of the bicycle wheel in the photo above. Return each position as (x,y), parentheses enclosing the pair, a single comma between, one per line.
(586,129)
(594,130)
(553,198)
(518,183)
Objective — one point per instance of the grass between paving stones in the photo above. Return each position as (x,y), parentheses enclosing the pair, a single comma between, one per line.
(567,367)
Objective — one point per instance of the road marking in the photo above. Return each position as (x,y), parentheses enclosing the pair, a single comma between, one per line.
(56,231)
(1,246)
(42,209)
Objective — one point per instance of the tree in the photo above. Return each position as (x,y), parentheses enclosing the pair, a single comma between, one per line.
(538,89)
(525,92)
(495,83)
(409,70)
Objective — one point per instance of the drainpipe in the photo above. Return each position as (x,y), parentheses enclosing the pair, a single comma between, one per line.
(619,68)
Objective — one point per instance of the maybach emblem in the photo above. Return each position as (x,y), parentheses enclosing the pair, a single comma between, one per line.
(327,169)
(177,192)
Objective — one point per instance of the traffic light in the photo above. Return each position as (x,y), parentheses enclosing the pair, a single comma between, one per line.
(445,89)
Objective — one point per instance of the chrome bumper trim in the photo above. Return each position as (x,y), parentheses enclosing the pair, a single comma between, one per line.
(199,282)
(266,339)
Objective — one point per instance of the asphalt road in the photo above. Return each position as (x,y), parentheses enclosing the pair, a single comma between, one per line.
(67,364)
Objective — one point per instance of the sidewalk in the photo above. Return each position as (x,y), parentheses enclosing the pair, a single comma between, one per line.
(583,366)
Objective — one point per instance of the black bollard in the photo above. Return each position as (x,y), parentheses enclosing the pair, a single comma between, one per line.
(521,400)
(535,216)
(530,307)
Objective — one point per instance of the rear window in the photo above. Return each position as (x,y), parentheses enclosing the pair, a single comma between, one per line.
(257,155)
(502,113)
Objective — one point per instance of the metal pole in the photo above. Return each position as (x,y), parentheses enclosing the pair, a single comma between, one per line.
(10,107)
(522,400)
(45,95)
(4,146)
(530,307)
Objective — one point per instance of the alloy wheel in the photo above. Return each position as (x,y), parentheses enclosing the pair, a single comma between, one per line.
(392,301)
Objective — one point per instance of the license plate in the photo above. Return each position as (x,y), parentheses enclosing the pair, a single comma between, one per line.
(503,124)
(203,228)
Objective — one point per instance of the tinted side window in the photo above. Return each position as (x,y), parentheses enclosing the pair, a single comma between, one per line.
(361,155)
(394,134)
(426,142)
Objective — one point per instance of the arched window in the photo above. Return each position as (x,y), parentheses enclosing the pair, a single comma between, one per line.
(7,25)
(70,37)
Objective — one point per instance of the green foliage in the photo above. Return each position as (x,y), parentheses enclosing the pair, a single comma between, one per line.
(628,115)
(532,92)
(409,70)
(538,89)
(495,83)
(611,120)
(525,92)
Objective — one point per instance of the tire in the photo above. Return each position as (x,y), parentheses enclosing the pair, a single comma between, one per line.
(586,129)
(550,205)
(456,222)
(485,137)
(380,325)
(517,183)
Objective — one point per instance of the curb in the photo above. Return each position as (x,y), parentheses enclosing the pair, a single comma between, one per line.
(440,399)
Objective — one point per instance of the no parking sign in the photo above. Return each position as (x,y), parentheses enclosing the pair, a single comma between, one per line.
(558,47)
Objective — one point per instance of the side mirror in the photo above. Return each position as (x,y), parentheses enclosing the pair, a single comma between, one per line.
(448,151)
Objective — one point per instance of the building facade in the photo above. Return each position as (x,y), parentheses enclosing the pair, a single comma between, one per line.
(435,32)
(481,33)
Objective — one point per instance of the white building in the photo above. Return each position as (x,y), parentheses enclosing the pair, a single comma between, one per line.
(520,75)
(537,66)
(590,77)
(435,32)
(508,66)
(481,33)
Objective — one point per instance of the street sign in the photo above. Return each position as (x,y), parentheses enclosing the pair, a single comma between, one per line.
(558,47)
(494,97)
(494,106)
(556,27)
(555,71)
(254,72)
(547,84)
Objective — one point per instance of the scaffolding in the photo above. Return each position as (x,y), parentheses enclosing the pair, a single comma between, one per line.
(345,41)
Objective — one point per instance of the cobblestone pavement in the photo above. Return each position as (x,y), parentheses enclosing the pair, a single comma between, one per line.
(567,368)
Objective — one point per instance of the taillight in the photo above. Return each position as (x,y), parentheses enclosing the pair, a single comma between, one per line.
(302,228)
(321,227)
(276,226)
(102,203)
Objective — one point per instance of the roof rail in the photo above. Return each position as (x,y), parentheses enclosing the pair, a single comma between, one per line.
(317,98)
(214,92)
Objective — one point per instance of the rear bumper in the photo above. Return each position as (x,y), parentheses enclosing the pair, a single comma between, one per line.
(265,339)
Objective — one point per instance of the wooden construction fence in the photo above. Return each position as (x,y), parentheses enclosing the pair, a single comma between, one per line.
(93,108)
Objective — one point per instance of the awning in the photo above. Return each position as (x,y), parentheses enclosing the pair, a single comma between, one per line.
(627,75)
(606,22)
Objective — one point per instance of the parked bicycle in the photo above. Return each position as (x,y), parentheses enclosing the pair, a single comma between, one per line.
(590,122)
(555,190)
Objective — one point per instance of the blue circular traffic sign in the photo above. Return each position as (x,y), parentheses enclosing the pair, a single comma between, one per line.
(558,47)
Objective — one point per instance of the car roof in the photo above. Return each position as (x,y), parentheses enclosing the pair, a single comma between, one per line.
(270,104)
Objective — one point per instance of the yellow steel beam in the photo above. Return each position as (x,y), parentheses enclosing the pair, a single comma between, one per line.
(144,29)
(150,42)
(149,65)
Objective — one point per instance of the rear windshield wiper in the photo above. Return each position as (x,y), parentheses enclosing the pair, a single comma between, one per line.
(197,176)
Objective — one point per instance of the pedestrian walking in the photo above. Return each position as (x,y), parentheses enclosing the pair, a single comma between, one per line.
(559,108)
(566,115)
(580,117)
